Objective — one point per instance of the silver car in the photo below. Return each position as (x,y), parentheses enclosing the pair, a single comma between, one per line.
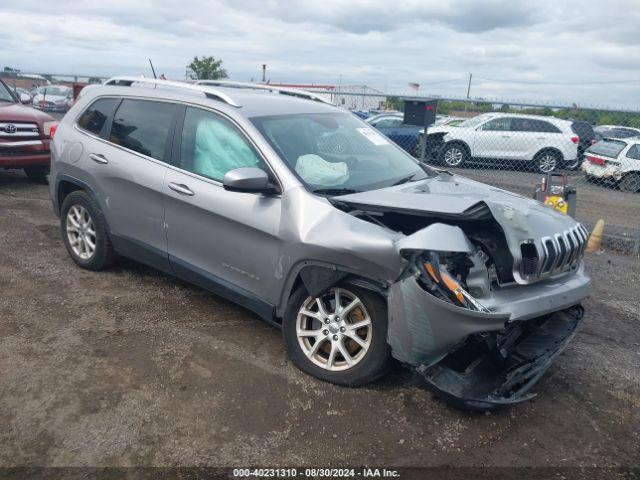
(315,221)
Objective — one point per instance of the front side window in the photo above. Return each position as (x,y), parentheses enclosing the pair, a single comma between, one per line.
(143,126)
(337,151)
(211,145)
(497,125)
(94,118)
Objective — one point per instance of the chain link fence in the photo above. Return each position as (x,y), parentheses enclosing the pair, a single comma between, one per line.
(585,161)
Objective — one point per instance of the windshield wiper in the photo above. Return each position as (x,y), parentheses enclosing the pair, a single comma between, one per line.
(5,100)
(410,178)
(335,191)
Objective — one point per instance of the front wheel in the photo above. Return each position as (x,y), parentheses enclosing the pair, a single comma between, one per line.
(454,155)
(340,336)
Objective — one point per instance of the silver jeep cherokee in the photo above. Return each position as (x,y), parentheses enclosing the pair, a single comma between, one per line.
(313,220)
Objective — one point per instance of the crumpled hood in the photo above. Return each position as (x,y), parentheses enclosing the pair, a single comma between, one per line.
(450,196)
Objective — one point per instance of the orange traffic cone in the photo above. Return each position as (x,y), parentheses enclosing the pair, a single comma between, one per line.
(595,239)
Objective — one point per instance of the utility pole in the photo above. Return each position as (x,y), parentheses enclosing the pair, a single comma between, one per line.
(264,73)
(468,92)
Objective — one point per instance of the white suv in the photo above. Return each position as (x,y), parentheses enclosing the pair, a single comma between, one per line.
(547,141)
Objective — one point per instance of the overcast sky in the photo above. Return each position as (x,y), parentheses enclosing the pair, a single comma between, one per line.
(586,51)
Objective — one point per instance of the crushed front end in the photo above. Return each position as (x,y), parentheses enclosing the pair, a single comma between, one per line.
(476,340)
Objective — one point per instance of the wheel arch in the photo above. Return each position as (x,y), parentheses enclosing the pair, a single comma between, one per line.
(457,141)
(553,150)
(316,277)
(65,184)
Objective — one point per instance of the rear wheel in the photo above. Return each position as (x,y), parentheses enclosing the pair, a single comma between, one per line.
(84,231)
(37,174)
(547,161)
(630,183)
(340,336)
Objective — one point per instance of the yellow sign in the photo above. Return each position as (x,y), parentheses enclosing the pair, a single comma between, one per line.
(556,202)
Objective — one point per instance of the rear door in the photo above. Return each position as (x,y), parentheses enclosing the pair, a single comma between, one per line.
(224,241)
(128,170)
(532,135)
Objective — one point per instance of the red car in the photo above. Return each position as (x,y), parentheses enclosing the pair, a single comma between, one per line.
(25,134)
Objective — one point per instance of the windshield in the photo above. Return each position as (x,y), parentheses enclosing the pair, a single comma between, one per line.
(607,148)
(5,94)
(473,122)
(59,91)
(337,152)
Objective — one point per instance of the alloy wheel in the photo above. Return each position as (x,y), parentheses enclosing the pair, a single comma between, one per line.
(453,156)
(81,232)
(547,163)
(334,330)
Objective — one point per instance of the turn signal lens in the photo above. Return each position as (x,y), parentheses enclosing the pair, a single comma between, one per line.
(50,129)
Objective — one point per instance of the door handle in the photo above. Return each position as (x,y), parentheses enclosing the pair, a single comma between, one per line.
(98,158)
(505,136)
(181,189)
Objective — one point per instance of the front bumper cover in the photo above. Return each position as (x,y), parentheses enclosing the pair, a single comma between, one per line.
(474,378)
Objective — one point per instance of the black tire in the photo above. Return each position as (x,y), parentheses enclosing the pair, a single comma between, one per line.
(375,362)
(547,161)
(574,165)
(103,256)
(454,155)
(630,183)
(37,174)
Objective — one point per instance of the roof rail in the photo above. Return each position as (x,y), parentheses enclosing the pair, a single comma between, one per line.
(204,89)
(294,92)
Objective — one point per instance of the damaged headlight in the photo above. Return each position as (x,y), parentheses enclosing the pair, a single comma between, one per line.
(443,275)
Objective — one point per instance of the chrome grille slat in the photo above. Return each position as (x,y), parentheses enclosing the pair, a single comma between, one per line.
(559,253)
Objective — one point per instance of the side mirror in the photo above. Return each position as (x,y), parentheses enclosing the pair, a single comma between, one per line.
(24,98)
(249,180)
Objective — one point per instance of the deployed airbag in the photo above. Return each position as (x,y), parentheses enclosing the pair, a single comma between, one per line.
(317,171)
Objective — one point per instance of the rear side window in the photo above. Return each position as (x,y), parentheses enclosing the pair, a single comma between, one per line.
(211,145)
(533,125)
(95,117)
(634,152)
(143,126)
(608,148)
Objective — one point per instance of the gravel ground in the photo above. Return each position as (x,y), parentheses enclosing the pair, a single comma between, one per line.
(132,367)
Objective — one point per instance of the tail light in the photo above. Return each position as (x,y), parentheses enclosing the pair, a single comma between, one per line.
(575,139)
(595,160)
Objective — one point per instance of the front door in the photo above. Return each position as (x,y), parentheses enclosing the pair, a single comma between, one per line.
(224,241)
(494,139)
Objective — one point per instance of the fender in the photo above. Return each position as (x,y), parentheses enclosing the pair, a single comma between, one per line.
(318,276)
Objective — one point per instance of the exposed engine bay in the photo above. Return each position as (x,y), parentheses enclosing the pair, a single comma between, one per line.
(464,316)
